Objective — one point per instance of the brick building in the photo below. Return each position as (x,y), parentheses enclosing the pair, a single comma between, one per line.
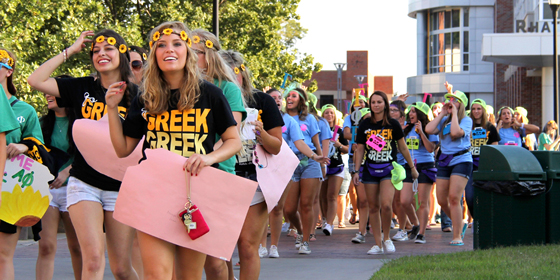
(356,64)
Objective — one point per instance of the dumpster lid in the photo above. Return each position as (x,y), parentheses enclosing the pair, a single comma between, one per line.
(501,162)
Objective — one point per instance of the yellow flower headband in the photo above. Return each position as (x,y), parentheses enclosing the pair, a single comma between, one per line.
(169,31)
(236,70)
(208,43)
(6,60)
(111,41)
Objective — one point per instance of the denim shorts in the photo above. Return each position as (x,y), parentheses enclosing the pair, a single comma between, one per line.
(258,197)
(367,178)
(422,178)
(463,169)
(310,171)
(59,199)
(80,191)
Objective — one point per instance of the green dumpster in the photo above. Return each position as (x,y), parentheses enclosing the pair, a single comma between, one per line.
(503,220)
(550,163)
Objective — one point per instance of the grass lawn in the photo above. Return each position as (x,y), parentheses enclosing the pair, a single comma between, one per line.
(523,262)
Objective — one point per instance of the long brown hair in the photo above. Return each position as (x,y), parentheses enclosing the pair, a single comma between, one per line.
(216,67)
(155,90)
(484,117)
(302,107)
(385,110)
(124,61)
(10,81)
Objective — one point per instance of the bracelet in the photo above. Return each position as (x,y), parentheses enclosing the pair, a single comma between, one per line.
(65,55)
(522,125)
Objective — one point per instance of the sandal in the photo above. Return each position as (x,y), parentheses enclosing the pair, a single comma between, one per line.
(292,232)
(341,225)
(465,226)
(312,237)
(352,219)
(456,243)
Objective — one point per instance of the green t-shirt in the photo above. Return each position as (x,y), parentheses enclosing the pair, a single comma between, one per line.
(544,139)
(29,125)
(234,98)
(59,138)
(7,118)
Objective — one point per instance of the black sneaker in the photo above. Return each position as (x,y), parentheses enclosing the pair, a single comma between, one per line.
(412,233)
(420,239)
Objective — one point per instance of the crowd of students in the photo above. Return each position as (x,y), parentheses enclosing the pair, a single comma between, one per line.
(436,145)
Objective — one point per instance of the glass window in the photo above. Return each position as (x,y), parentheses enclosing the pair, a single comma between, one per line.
(449,41)
(456,18)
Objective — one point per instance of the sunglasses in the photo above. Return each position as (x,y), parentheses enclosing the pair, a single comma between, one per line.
(453,99)
(136,64)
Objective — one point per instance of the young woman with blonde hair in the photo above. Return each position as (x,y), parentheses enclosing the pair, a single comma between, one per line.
(455,162)
(173,84)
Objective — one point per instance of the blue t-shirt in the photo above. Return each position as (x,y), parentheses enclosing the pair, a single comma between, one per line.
(511,136)
(347,122)
(291,132)
(450,147)
(309,127)
(417,149)
(325,129)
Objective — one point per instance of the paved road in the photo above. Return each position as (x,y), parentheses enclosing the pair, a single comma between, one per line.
(332,257)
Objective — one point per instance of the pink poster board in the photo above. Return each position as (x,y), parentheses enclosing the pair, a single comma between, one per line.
(154,192)
(276,172)
(93,140)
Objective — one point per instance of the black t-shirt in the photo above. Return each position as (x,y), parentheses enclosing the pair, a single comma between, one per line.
(483,136)
(87,98)
(392,133)
(336,159)
(182,132)
(270,117)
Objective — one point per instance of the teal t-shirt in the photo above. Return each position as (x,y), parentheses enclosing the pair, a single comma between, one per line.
(544,139)
(7,118)
(59,138)
(233,95)
(29,125)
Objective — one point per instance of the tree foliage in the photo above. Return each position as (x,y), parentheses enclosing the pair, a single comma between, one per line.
(263,30)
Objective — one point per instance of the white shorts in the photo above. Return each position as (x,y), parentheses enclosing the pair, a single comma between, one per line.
(79,191)
(59,199)
(257,198)
(339,174)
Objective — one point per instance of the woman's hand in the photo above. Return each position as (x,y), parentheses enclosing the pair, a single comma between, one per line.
(499,125)
(60,179)
(448,87)
(516,125)
(321,159)
(15,149)
(414,173)
(80,42)
(114,94)
(418,127)
(356,179)
(453,109)
(196,162)
(258,130)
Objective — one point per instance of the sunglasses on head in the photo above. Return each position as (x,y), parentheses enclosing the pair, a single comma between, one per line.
(136,64)
(452,99)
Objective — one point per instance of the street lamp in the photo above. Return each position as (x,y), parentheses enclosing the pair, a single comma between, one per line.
(339,67)
(554,7)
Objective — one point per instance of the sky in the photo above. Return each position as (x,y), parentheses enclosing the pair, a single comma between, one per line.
(383,28)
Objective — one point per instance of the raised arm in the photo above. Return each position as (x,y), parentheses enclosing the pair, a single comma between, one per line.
(122,144)
(41,79)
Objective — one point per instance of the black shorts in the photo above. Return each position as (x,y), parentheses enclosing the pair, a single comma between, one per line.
(422,177)
(11,229)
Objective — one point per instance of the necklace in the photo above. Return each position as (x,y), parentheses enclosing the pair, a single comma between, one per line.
(59,128)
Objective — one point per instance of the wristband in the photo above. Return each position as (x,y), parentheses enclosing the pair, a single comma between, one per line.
(65,55)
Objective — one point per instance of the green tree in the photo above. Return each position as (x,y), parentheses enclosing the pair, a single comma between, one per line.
(263,30)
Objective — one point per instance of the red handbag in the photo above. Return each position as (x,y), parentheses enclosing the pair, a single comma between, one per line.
(191,217)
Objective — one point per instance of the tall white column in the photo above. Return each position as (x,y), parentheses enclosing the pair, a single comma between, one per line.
(547,95)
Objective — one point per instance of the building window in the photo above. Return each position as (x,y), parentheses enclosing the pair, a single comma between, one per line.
(449,40)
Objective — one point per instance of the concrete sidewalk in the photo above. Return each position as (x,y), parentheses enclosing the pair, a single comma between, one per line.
(332,257)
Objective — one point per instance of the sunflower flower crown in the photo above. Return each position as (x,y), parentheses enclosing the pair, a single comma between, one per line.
(6,60)
(168,31)
(111,41)
(207,43)
(240,69)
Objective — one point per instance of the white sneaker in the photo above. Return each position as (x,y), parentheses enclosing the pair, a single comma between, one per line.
(273,252)
(389,246)
(400,236)
(299,239)
(327,230)
(360,238)
(304,248)
(262,251)
(285,227)
(375,250)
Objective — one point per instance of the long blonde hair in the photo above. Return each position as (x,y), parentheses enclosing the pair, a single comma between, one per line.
(235,60)
(216,67)
(460,115)
(156,93)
